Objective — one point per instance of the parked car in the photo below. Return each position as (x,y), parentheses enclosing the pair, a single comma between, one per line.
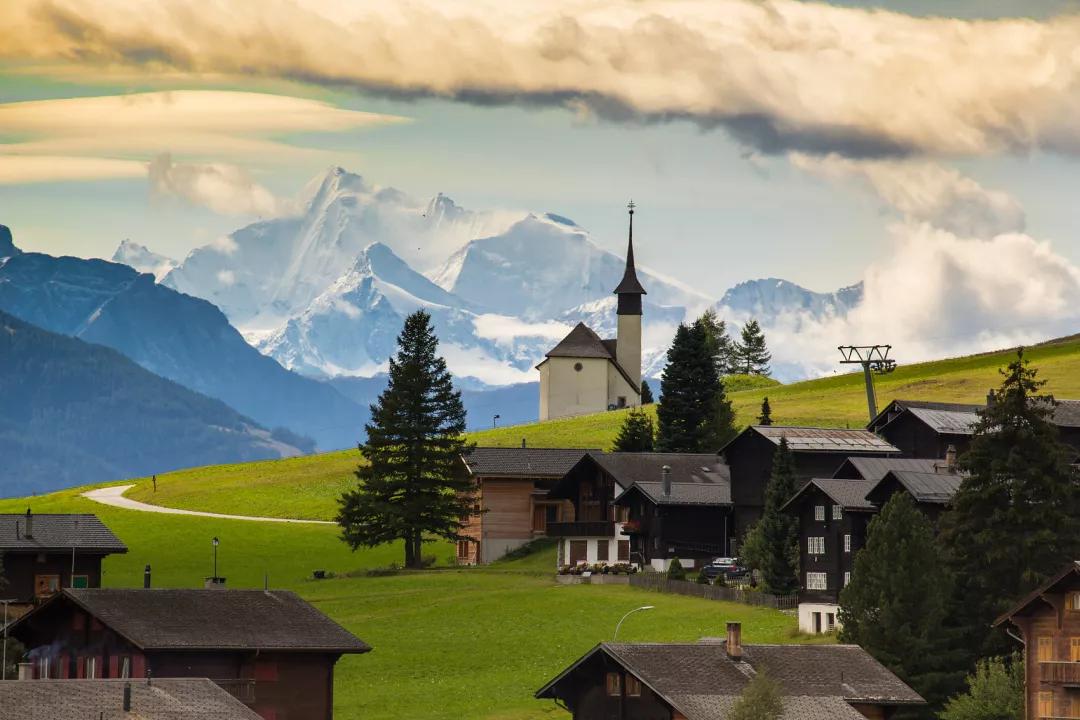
(729,568)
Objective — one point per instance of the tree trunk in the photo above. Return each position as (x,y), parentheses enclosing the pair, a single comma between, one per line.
(418,547)
(410,552)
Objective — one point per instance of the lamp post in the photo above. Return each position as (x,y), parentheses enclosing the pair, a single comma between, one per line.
(619,625)
(3,663)
(495,420)
(215,543)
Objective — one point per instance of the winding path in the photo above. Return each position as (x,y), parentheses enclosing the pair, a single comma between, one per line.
(114,496)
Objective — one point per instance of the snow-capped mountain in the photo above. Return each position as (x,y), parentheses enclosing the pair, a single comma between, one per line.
(768,299)
(143,259)
(7,245)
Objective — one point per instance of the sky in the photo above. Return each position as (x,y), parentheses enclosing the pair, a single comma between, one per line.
(827,144)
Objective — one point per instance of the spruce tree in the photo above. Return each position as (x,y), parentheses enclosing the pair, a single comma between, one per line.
(765,418)
(897,603)
(694,414)
(646,393)
(636,433)
(779,560)
(751,353)
(1015,519)
(717,342)
(410,486)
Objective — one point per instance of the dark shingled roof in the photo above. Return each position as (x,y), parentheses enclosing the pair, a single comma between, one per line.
(643,467)
(875,468)
(928,487)
(960,418)
(161,699)
(717,494)
(819,439)
(1067,413)
(522,462)
(849,494)
(57,532)
(213,619)
(700,680)
(581,342)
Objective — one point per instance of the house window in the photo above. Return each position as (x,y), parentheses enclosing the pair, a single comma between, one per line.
(602,547)
(463,549)
(837,512)
(621,401)
(1046,704)
(830,622)
(633,686)
(819,513)
(847,543)
(90,668)
(847,578)
(1074,649)
(614,684)
(579,551)
(1074,601)
(80,581)
(816,581)
(815,545)
(125,667)
(1046,649)
(43,668)
(45,585)
(624,551)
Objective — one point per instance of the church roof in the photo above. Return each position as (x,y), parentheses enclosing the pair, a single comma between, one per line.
(630,285)
(582,342)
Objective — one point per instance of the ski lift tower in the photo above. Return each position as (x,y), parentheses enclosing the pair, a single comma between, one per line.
(874,359)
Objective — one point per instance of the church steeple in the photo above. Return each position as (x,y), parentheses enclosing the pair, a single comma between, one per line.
(629,289)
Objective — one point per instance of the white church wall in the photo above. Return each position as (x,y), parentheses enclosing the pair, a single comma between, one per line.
(568,391)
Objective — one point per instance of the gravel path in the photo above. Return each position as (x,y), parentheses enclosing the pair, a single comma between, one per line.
(114,496)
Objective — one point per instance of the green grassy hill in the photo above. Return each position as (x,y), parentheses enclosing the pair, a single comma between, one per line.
(448,643)
(308,486)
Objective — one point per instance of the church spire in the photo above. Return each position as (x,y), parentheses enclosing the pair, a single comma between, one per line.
(629,289)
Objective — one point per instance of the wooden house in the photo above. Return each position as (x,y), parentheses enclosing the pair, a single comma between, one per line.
(818,452)
(685,514)
(1049,623)
(270,649)
(43,553)
(703,680)
(595,528)
(157,699)
(512,506)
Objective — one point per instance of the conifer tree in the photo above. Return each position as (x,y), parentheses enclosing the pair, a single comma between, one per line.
(1016,518)
(717,342)
(636,433)
(765,418)
(646,393)
(897,603)
(694,414)
(410,486)
(751,353)
(779,531)
(675,570)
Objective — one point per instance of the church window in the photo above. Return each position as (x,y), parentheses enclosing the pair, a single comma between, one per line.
(577,367)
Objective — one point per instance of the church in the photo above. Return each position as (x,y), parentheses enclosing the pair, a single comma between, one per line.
(585,374)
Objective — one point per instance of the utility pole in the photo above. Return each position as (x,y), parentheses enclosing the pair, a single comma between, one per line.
(873,358)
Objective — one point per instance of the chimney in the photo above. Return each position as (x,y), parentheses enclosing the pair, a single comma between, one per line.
(734,640)
(29,523)
(26,671)
(665,473)
(522,443)
(127,697)
(950,459)
(146,577)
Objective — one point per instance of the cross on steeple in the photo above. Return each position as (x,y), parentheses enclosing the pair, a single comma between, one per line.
(631,205)
(629,289)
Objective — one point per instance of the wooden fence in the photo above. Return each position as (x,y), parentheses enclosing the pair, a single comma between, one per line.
(660,582)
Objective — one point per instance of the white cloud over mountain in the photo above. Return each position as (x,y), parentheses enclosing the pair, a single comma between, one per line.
(779,75)
(224,189)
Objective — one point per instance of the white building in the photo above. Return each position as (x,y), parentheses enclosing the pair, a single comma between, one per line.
(585,374)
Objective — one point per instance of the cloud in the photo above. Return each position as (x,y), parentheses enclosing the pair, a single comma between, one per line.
(224,189)
(926,192)
(506,329)
(18,169)
(777,74)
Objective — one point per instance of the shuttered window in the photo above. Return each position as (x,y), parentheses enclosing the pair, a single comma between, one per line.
(1046,649)
(602,550)
(579,551)
(624,551)
(614,684)
(1046,704)
(1074,649)
(633,686)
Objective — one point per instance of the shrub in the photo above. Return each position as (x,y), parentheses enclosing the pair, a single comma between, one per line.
(676,571)
(428,561)
(702,579)
(384,571)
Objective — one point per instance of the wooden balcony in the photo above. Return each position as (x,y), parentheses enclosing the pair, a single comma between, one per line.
(1060,672)
(584,528)
(240,688)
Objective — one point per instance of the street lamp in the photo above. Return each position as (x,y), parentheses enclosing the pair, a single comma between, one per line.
(643,607)
(494,420)
(215,543)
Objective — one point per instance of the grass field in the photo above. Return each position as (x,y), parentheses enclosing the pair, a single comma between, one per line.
(449,643)
(309,486)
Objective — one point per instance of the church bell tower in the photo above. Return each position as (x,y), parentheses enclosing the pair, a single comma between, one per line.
(630,291)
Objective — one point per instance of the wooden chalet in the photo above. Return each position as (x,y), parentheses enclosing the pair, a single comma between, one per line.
(157,699)
(596,528)
(270,649)
(703,680)
(1049,623)
(818,452)
(686,514)
(512,504)
(931,483)
(923,429)
(43,553)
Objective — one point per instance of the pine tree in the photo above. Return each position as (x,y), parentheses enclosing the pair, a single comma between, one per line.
(410,486)
(994,692)
(675,570)
(694,414)
(751,353)
(646,393)
(636,433)
(765,418)
(897,603)
(760,700)
(779,561)
(1016,518)
(717,342)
